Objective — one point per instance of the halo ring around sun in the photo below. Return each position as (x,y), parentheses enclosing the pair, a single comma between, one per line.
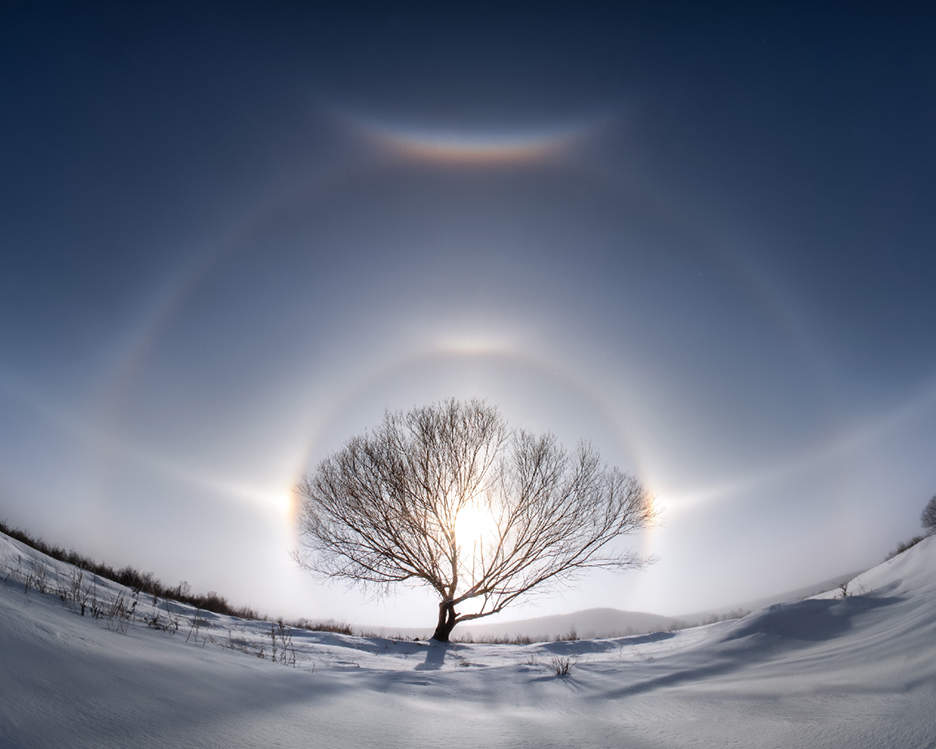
(240,235)
(476,370)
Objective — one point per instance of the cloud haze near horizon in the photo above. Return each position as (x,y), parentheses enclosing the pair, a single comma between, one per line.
(233,235)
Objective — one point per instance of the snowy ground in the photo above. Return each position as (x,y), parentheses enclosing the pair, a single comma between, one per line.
(847,672)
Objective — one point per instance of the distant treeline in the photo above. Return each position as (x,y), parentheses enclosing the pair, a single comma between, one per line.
(904,545)
(145,582)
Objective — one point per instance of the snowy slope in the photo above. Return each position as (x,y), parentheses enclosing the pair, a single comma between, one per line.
(825,672)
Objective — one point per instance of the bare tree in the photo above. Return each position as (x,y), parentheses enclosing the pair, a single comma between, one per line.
(390,507)
(928,518)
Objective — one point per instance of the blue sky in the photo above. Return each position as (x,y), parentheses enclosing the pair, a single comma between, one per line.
(232,235)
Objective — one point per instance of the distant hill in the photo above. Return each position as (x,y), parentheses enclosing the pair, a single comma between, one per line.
(586,624)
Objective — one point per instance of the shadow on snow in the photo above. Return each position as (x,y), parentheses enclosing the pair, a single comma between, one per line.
(780,628)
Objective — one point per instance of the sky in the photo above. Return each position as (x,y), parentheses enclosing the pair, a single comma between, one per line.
(700,236)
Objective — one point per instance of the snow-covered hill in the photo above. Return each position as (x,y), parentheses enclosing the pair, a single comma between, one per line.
(847,672)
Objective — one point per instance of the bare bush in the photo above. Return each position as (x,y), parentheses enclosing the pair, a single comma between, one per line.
(562,665)
(928,518)
(170,623)
(385,509)
(75,592)
(282,648)
(198,621)
(37,578)
(119,612)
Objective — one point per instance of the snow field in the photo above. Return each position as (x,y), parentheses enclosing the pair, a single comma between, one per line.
(847,672)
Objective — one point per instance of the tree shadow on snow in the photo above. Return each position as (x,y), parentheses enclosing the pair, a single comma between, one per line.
(435,656)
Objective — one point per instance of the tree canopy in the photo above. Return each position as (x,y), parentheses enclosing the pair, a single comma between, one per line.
(391,507)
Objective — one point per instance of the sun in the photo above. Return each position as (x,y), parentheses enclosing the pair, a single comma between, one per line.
(475,526)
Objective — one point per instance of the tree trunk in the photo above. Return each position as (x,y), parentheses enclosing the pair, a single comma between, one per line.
(446,623)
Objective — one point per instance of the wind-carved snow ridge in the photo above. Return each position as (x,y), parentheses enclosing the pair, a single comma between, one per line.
(830,671)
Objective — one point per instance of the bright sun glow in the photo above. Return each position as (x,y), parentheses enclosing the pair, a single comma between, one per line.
(475,525)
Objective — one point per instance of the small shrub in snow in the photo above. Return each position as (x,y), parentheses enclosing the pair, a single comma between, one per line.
(281,644)
(119,612)
(562,665)
(170,623)
(197,623)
